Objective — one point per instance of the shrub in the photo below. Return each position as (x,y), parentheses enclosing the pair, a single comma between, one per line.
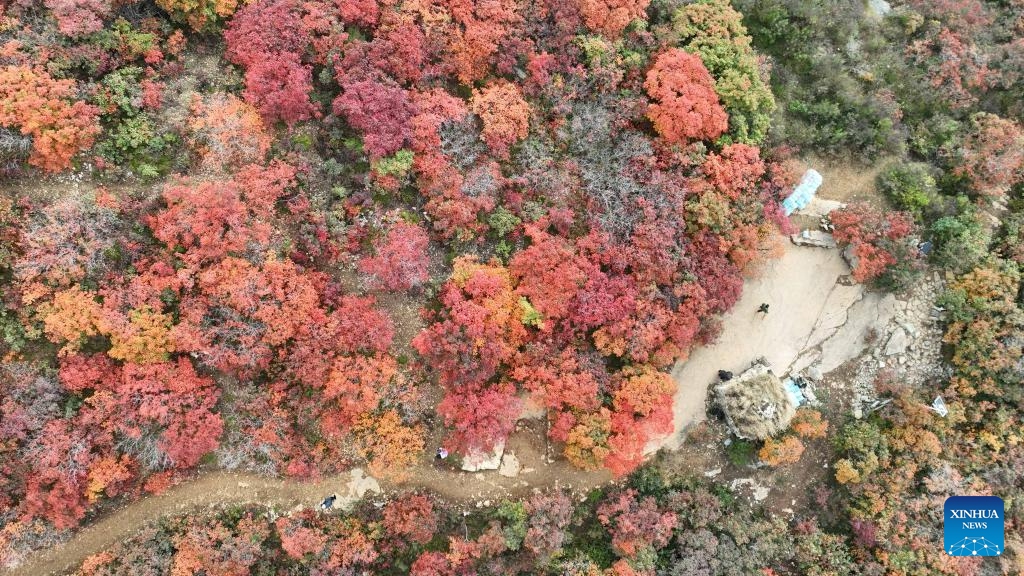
(199,14)
(961,241)
(877,244)
(740,452)
(910,186)
(788,450)
(137,144)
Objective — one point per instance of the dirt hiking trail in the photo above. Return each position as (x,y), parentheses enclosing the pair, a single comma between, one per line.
(207,490)
(217,489)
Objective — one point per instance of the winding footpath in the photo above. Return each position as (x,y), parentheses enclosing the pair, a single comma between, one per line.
(218,489)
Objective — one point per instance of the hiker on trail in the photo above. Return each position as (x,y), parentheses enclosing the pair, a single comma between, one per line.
(763,308)
(328,502)
(441,453)
(724,375)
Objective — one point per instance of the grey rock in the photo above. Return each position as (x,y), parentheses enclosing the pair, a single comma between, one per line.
(814,238)
(814,373)
(809,394)
(509,465)
(477,461)
(898,342)
(879,7)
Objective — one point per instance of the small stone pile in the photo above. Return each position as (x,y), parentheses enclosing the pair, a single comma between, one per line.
(909,347)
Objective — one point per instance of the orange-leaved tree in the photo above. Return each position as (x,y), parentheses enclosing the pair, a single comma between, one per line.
(505,113)
(45,109)
(610,17)
(778,452)
(390,445)
(227,132)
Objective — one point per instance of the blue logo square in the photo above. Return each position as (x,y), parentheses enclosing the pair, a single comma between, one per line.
(973,526)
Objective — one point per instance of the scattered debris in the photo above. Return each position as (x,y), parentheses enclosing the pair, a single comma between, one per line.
(758,491)
(878,405)
(796,395)
(812,398)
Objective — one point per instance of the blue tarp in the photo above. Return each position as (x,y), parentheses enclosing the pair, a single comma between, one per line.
(794,391)
(803,193)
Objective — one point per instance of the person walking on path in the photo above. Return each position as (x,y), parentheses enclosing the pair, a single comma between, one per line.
(328,502)
(763,308)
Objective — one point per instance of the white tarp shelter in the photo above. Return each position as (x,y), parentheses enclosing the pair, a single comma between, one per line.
(803,193)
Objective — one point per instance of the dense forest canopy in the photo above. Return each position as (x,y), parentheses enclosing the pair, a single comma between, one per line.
(292,237)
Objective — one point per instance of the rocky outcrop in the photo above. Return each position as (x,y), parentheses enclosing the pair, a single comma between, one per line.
(815,238)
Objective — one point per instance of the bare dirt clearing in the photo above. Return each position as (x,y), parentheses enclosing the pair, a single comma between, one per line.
(800,288)
(845,181)
(811,312)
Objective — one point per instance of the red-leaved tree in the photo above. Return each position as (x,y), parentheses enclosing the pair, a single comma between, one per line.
(876,240)
(685,106)
(636,524)
(992,155)
(401,258)
(610,17)
(79,17)
(380,110)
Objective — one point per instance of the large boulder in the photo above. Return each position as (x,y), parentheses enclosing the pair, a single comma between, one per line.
(897,343)
(476,461)
(756,404)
